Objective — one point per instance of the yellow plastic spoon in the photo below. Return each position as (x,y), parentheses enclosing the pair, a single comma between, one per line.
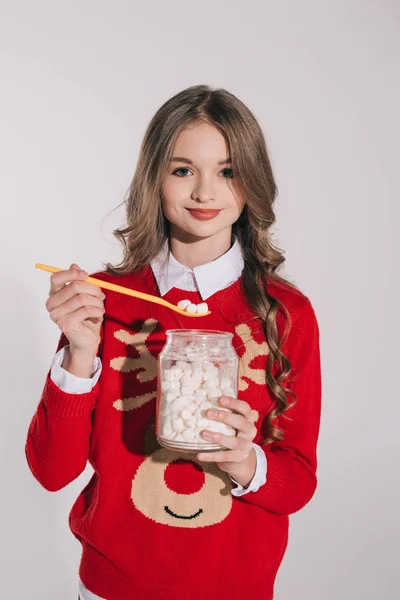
(128,292)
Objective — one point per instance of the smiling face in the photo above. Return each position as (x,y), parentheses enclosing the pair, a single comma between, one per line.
(199,198)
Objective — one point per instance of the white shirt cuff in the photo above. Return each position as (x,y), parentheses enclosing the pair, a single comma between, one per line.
(260,476)
(71,384)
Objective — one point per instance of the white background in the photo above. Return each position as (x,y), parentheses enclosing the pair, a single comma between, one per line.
(79,82)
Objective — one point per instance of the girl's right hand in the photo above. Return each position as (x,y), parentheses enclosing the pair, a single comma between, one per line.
(77,309)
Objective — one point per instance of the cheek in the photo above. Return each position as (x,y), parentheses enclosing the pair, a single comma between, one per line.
(173,195)
(234,198)
(235,205)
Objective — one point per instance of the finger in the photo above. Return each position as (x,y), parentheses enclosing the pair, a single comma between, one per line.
(236,405)
(59,279)
(239,422)
(73,289)
(223,456)
(71,322)
(74,304)
(230,442)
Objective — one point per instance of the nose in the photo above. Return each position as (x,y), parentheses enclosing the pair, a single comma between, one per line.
(184,477)
(203,191)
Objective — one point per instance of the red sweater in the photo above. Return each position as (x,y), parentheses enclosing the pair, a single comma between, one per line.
(155,527)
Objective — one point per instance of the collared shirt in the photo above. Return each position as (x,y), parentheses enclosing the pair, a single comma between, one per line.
(207,279)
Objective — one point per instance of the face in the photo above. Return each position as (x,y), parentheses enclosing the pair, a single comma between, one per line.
(199,199)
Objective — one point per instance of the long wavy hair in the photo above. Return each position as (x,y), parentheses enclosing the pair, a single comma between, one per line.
(147,228)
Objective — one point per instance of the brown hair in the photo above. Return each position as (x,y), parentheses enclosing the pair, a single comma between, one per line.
(147,228)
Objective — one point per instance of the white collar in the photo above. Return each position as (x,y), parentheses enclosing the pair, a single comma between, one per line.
(206,279)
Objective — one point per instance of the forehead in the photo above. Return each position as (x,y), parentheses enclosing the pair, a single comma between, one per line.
(201,142)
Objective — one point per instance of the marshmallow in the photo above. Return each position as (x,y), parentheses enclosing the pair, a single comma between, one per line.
(167,375)
(192,407)
(203,423)
(176,373)
(191,308)
(188,434)
(191,422)
(187,379)
(177,424)
(170,395)
(210,374)
(187,390)
(185,414)
(167,422)
(183,304)
(205,406)
(185,366)
(228,392)
(226,382)
(214,393)
(200,396)
(227,430)
(197,377)
(178,404)
(202,308)
(197,365)
(211,383)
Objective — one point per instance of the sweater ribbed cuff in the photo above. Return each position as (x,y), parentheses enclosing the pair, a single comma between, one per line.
(277,478)
(68,406)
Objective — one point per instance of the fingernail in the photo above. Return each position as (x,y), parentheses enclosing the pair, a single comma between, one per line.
(212,413)
(207,435)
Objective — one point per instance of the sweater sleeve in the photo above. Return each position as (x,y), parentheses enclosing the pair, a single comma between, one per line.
(292,462)
(57,445)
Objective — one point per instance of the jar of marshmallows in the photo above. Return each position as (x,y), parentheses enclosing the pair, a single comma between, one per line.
(195,368)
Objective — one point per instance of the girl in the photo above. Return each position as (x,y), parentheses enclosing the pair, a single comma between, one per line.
(153,523)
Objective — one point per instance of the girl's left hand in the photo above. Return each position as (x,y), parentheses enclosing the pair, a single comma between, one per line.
(239,461)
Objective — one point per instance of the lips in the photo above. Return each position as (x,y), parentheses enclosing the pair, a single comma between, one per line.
(204,214)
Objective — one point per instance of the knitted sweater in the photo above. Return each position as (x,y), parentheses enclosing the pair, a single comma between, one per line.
(139,521)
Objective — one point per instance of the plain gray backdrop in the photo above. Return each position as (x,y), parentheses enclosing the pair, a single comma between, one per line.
(79,84)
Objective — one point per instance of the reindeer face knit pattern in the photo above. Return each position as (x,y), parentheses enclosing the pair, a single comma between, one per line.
(155,524)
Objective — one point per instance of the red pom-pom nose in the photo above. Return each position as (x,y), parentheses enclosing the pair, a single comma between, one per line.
(184,477)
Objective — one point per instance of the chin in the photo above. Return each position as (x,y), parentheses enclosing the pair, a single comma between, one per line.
(203,230)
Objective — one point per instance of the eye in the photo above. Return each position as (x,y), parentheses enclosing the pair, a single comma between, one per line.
(177,171)
(227,173)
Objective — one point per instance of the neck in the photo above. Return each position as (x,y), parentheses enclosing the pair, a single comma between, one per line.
(193,252)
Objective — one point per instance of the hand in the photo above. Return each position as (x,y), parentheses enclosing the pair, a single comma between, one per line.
(239,461)
(77,309)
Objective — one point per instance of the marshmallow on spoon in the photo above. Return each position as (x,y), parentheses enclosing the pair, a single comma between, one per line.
(183,304)
(202,308)
(189,307)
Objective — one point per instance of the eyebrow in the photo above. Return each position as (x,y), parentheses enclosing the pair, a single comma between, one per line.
(189,162)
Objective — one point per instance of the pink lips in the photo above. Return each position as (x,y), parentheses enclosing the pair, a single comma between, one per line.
(204,214)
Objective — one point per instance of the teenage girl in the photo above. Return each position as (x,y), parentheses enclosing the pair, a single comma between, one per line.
(156,524)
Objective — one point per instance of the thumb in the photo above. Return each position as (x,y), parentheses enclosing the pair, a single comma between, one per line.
(84,273)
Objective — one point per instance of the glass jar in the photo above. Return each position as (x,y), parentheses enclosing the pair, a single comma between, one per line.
(195,368)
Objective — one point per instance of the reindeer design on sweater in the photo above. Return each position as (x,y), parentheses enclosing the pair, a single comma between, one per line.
(145,365)
(165,505)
